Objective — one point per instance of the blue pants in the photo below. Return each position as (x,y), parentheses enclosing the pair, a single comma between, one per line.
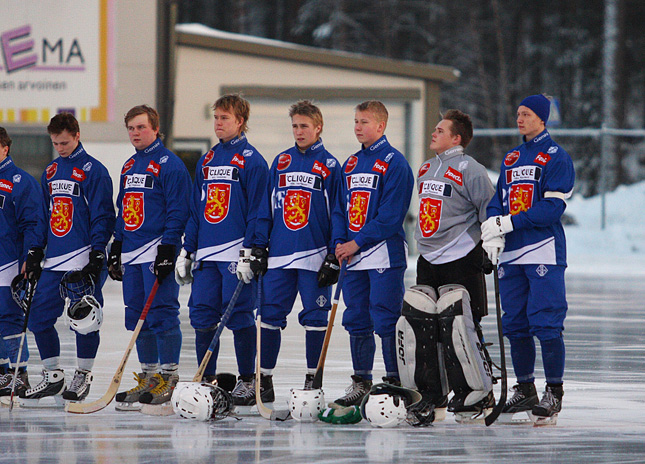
(12,318)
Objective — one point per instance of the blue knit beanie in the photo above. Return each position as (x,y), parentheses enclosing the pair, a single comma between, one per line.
(539,104)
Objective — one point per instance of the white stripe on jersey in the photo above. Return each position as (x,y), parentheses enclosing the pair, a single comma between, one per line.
(226,252)
(144,254)
(76,259)
(376,257)
(8,272)
(536,253)
(310,260)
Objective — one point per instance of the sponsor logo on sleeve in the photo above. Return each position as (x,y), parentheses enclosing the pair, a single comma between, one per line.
(163,159)
(87,166)
(542,158)
(154,168)
(127,166)
(64,187)
(351,164)
(238,161)
(331,162)
(6,186)
(523,173)
(389,157)
(511,158)
(78,174)
(319,168)
(300,179)
(435,187)
(296,206)
(133,211)
(357,211)
(208,157)
(51,170)
(429,216)
(284,161)
(221,173)
(247,152)
(552,150)
(380,166)
(454,175)
(62,214)
(17,178)
(369,181)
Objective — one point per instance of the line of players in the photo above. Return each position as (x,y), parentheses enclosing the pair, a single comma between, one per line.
(295,223)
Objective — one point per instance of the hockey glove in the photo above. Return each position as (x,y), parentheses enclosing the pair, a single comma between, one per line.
(329,271)
(493,248)
(496,226)
(244,272)
(259,260)
(32,265)
(184,268)
(114,261)
(165,261)
(94,266)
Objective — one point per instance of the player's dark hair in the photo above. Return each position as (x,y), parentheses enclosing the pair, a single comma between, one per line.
(63,122)
(153,117)
(234,103)
(461,125)
(307,108)
(5,140)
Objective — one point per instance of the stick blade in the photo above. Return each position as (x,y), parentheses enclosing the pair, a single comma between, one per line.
(87,408)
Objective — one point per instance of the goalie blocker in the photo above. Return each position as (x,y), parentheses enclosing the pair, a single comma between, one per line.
(438,349)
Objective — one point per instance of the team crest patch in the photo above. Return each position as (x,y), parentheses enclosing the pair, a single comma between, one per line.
(295,210)
(51,170)
(429,216)
(331,162)
(284,160)
(511,158)
(520,198)
(232,268)
(552,150)
(87,166)
(17,178)
(132,211)
(247,152)
(163,159)
(389,157)
(358,205)
(217,202)
(351,164)
(60,221)
(541,270)
(321,301)
(500,272)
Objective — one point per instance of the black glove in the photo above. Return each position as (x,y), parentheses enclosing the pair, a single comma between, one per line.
(487,265)
(165,261)
(259,260)
(329,271)
(114,261)
(32,266)
(95,265)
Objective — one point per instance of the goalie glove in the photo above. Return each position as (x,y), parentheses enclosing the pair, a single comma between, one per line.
(329,271)
(33,268)
(184,268)
(164,262)
(496,226)
(494,248)
(259,260)
(244,272)
(95,265)
(114,261)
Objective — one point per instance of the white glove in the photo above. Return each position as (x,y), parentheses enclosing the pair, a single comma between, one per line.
(494,247)
(184,268)
(244,271)
(496,226)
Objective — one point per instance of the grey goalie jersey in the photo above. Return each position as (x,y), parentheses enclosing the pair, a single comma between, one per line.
(454,191)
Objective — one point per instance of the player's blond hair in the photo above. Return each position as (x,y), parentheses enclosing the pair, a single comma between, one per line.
(378,110)
(234,103)
(307,108)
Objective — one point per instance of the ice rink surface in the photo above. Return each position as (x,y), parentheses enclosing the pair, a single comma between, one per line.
(603,418)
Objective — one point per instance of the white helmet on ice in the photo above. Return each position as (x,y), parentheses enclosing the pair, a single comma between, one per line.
(387,405)
(201,401)
(305,405)
(84,316)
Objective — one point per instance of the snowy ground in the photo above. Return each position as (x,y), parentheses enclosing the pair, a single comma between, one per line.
(602,420)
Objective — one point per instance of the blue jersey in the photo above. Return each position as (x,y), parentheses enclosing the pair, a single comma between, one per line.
(21,215)
(535,179)
(229,183)
(378,183)
(153,203)
(78,193)
(301,219)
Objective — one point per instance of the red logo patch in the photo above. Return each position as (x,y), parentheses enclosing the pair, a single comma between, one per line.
(296,206)
(153,168)
(78,175)
(127,166)
(132,211)
(217,200)
(284,161)
(238,161)
(51,170)
(321,169)
(520,198)
(542,158)
(208,157)
(357,214)
(351,164)
(429,216)
(454,176)
(380,166)
(511,158)
(60,221)
(424,168)
(6,186)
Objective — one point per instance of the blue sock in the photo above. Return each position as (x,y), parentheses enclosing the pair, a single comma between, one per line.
(203,339)
(363,348)
(147,347)
(314,340)
(271,339)
(245,343)
(388,346)
(48,343)
(12,346)
(169,346)
(87,345)
(553,354)
(4,357)
(523,356)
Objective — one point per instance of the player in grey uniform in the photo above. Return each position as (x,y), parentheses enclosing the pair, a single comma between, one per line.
(454,191)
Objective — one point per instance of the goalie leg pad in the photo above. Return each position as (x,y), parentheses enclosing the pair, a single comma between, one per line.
(469,373)
(419,352)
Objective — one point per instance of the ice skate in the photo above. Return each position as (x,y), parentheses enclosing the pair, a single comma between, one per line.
(48,393)
(547,410)
(156,402)
(80,386)
(355,393)
(129,400)
(22,382)
(225,380)
(523,399)
(475,413)
(244,393)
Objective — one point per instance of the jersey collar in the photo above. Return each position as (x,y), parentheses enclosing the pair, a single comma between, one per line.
(450,152)
(5,164)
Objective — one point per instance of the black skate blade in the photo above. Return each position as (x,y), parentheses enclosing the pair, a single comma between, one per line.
(164,409)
